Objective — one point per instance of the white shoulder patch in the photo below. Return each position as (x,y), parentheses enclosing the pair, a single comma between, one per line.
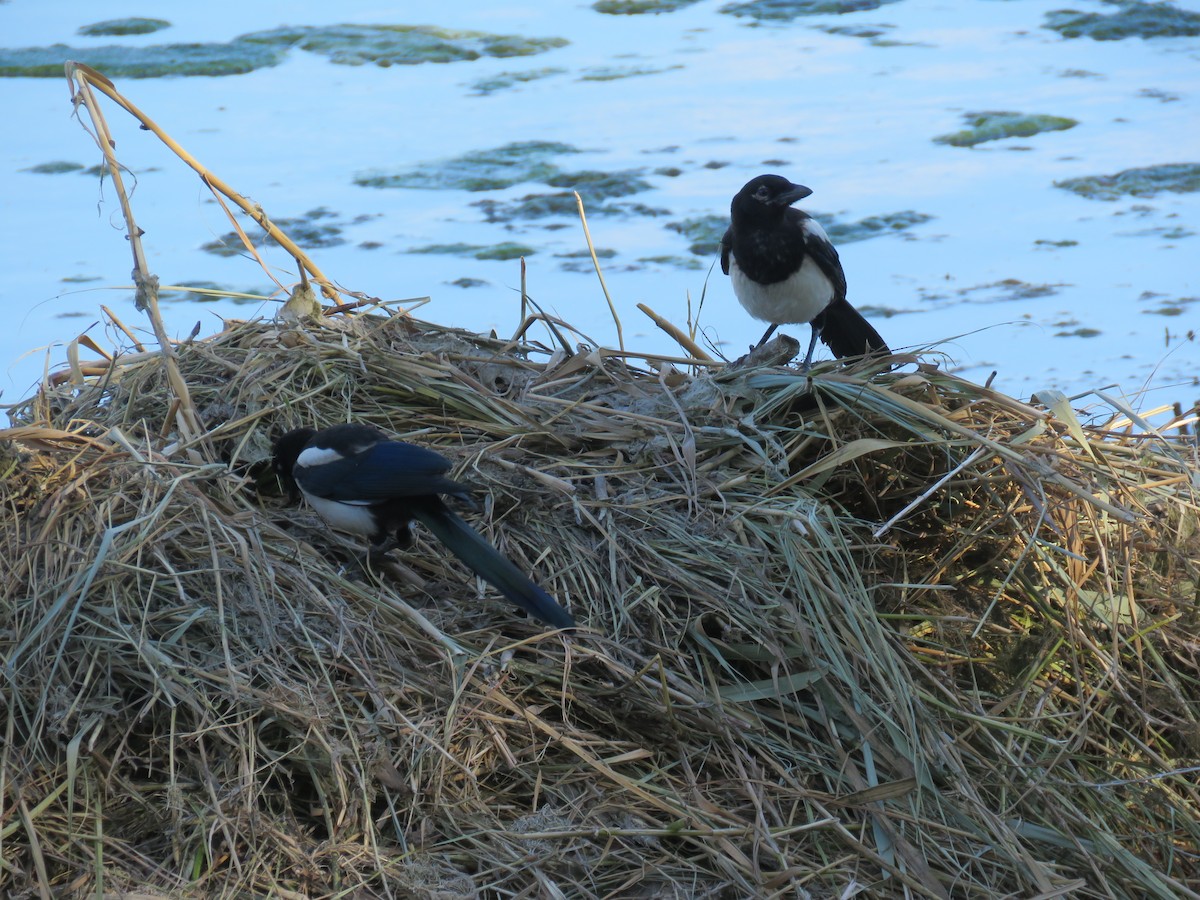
(813,227)
(315,456)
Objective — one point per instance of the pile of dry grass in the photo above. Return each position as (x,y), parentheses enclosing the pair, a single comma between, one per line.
(869,631)
(872,631)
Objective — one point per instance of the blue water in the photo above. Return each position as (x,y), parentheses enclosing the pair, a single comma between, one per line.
(851,119)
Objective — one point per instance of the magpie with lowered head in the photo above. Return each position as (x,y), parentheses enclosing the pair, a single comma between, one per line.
(785,270)
(359,481)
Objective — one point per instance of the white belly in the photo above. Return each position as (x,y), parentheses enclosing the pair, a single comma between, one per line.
(350,517)
(797,299)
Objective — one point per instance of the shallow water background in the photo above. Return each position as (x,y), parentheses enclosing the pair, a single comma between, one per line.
(1044,286)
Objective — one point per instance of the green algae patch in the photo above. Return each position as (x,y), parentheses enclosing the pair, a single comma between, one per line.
(597,185)
(1171,308)
(869,32)
(872,226)
(1166,232)
(479,170)
(504,251)
(560,204)
(787,10)
(532,206)
(1158,94)
(1177,178)
(616,73)
(704,232)
(1144,20)
(383,45)
(401,45)
(118,27)
(505,80)
(639,7)
(211,292)
(1007,290)
(581,261)
(996,126)
(601,253)
(57,167)
(316,229)
(233,58)
(677,262)
(456,249)
(876,34)
(518,163)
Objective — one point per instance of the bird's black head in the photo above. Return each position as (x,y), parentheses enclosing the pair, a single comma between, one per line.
(766,196)
(287,450)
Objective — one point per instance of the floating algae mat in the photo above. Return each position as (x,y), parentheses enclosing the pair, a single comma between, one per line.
(382,45)
(866,628)
(996,126)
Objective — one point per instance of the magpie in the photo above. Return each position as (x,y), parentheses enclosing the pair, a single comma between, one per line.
(359,481)
(785,270)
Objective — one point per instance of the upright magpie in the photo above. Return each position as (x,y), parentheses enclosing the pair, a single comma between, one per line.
(359,481)
(785,270)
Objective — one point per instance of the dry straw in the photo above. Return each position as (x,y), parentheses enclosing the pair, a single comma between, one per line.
(872,631)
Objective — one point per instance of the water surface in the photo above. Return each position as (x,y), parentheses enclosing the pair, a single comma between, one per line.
(659,119)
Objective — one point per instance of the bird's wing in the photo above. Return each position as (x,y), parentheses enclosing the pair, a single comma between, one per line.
(388,471)
(824,254)
(726,247)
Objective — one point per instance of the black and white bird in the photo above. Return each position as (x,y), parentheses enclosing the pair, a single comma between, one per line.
(785,270)
(359,481)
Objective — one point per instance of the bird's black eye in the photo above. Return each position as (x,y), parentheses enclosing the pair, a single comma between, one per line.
(762,193)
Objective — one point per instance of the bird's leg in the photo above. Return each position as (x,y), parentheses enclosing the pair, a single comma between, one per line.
(766,334)
(387,541)
(378,551)
(404,536)
(812,344)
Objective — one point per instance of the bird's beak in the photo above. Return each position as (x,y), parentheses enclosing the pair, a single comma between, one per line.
(798,192)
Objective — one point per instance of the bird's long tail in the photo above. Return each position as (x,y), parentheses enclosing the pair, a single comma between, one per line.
(846,332)
(485,561)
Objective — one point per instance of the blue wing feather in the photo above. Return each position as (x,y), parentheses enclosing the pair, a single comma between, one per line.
(389,470)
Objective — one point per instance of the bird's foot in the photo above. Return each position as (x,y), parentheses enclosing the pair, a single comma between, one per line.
(378,552)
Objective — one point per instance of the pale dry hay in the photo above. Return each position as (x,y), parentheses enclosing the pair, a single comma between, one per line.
(206,694)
